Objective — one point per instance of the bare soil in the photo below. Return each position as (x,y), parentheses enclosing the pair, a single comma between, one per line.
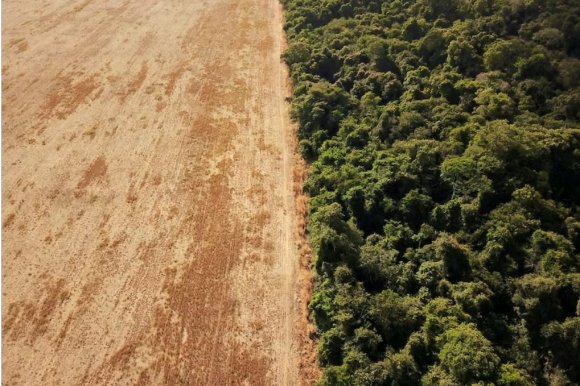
(151,216)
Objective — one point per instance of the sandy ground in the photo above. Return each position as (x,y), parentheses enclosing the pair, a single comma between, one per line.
(147,203)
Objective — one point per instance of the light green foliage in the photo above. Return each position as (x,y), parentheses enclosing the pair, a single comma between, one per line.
(467,355)
(502,55)
(512,376)
(473,297)
(494,105)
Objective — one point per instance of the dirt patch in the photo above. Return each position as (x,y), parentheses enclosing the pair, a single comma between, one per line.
(68,95)
(96,170)
(136,83)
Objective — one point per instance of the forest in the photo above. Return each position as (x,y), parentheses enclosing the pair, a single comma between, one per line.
(442,138)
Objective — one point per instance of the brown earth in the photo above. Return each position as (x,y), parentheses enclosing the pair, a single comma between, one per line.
(151,216)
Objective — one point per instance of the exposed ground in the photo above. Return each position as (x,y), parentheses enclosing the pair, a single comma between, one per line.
(149,217)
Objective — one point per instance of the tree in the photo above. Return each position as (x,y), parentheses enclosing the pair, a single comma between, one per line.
(569,72)
(536,299)
(395,317)
(462,55)
(473,297)
(336,240)
(553,252)
(502,55)
(432,47)
(512,376)
(298,52)
(464,176)
(551,38)
(330,351)
(455,258)
(563,341)
(468,356)
(396,369)
(437,376)
(494,105)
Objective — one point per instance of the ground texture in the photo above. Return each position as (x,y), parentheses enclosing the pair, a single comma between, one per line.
(149,216)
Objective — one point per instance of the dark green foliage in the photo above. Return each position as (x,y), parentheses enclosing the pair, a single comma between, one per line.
(444,187)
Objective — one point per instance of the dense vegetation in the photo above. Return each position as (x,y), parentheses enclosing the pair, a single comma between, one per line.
(443,137)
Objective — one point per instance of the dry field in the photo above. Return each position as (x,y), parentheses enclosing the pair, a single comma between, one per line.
(149,219)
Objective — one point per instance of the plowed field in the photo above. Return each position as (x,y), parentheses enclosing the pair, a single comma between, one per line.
(149,217)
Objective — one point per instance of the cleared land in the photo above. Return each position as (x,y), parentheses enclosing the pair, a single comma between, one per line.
(149,219)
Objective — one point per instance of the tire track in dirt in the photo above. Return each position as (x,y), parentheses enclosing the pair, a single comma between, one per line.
(149,195)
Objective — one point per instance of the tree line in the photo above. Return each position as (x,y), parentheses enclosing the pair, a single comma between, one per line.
(443,139)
